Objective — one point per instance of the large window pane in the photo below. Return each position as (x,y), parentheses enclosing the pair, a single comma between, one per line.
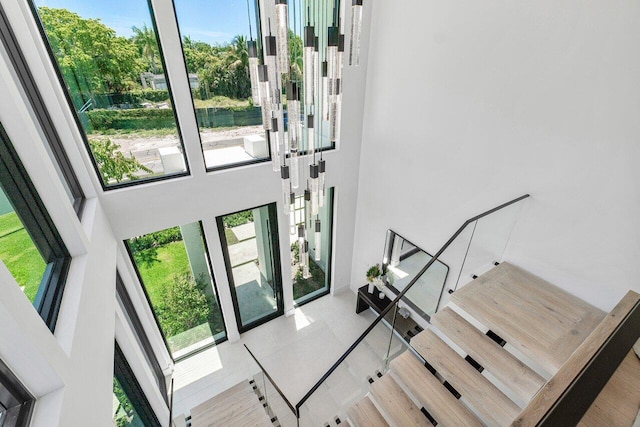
(214,41)
(174,268)
(250,243)
(318,282)
(109,58)
(30,246)
(16,403)
(53,143)
(18,252)
(124,414)
(131,407)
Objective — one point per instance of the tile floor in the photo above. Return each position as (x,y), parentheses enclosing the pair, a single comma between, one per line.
(295,350)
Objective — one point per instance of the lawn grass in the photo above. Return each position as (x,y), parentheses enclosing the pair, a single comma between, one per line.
(20,255)
(9,223)
(302,287)
(173,262)
(231,237)
(159,276)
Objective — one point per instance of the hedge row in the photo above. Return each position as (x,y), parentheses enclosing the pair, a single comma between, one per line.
(152,118)
(156,239)
(134,98)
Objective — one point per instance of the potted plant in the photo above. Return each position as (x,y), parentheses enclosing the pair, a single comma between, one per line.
(374,277)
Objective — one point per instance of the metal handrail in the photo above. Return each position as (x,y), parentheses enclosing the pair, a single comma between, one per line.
(264,371)
(399,296)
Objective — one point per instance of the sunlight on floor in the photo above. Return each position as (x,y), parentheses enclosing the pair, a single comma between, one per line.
(302,321)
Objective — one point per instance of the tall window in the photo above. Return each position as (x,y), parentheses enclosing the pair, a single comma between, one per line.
(16,403)
(250,246)
(54,145)
(30,246)
(110,61)
(174,268)
(214,42)
(131,407)
(141,337)
(316,283)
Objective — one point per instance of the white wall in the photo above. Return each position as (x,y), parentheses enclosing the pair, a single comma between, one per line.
(71,372)
(470,104)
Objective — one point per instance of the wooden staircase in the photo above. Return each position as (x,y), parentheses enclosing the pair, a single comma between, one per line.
(485,356)
(239,406)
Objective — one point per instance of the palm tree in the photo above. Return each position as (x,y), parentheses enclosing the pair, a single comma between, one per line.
(145,39)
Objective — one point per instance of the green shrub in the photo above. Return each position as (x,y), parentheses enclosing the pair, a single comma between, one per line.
(135,118)
(113,164)
(184,305)
(155,239)
(239,218)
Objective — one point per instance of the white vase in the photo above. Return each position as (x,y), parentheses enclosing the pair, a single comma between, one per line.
(381,295)
(370,287)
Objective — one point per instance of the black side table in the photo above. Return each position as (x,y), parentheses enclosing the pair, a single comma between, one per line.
(366,300)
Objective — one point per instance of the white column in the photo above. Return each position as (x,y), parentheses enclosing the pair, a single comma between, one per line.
(220,277)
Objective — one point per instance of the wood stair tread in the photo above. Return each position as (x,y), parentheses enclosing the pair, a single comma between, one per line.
(492,405)
(240,389)
(238,406)
(507,368)
(365,414)
(426,388)
(542,321)
(396,404)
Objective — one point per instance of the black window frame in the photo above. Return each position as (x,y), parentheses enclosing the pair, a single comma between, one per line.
(277,267)
(138,329)
(24,198)
(184,59)
(85,139)
(15,398)
(21,67)
(215,288)
(126,377)
(328,276)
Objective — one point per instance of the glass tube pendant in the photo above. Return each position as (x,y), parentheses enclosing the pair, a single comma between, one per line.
(313,188)
(311,143)
(278,115)
(263,76)
(253,71)
(301,245)
(286,188)
(325,91)
(317,240)
(282,34)
(308,65)
(316,70)
(292,213)
(340,59)
(271,61)
(333,36)
(306,274)
(334,116)
(293,115)
(274,143)
(321,184)
(356,31)
(295,168)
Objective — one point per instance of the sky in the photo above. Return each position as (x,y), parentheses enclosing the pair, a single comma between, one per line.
(211,21)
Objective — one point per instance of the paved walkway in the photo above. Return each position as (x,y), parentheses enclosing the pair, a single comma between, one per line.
(245,231)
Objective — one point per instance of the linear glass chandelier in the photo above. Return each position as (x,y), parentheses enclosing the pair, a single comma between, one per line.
(302,52)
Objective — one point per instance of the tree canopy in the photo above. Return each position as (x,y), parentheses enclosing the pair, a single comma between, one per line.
(94,60)
(91,57)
